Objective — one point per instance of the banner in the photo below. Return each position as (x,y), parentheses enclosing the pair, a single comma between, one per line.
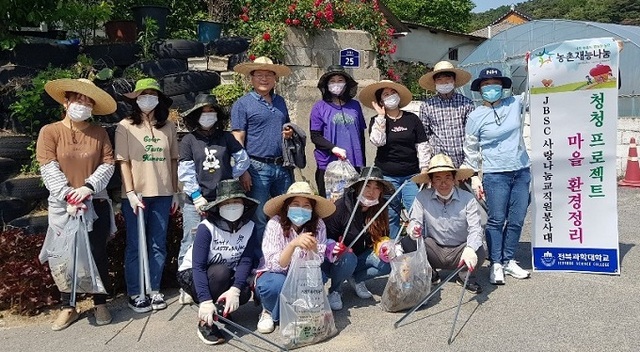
(574,112)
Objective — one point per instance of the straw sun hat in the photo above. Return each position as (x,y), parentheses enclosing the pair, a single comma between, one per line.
(323,207)
(442,163)
(368,94)
(104,103)
(427,81)
(262,63)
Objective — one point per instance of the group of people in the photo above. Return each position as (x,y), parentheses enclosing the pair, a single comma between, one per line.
(243,214)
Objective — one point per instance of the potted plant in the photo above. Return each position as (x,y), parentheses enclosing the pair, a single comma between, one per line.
(218,12)
(121,28)
(154,9)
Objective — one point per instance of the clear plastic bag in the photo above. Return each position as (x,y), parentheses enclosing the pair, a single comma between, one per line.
(305,314)
(61,258)
(409,282)
(338,175)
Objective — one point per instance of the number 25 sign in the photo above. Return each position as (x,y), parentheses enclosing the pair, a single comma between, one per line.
(349,58)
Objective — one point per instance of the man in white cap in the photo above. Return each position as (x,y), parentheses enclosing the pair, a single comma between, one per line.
(257,120)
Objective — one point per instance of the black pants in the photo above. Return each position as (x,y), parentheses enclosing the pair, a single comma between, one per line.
(220,279)
(98,242)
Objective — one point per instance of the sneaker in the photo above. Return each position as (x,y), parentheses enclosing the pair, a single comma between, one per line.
(210,335)
(435,277)
(265,324)
(361,289)
(472,287)
(185,298)
(512,268)
(65,318)
(157,301)
(140,304)
(335,300)
(496,277)
(102,315)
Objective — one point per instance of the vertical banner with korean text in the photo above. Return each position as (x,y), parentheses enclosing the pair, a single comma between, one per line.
(574,112)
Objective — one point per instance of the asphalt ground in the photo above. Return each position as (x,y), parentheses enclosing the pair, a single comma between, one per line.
(548,312)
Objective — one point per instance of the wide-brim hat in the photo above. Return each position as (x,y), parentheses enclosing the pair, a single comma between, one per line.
(201,101)
(262,63)
(148,83)
(490,73)
(428,82)
(228,189)
(368,94)
(337,70)
(104,104)
(375,175)
(323,207)
(442,163)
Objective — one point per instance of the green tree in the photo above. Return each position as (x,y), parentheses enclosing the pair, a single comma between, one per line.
(454,15)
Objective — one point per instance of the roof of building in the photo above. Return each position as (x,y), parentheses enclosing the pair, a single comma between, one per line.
(435,29)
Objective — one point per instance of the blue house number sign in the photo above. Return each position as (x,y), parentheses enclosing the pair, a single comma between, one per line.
(350,58)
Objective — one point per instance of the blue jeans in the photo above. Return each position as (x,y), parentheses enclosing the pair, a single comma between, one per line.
(268,287)
(268,181)
(507,196)
(190,220)
(363,267)
(405,198)
(156,218)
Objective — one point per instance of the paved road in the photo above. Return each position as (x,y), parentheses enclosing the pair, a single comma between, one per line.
(549,312)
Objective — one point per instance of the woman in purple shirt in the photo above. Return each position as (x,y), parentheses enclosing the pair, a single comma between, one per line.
(337,123)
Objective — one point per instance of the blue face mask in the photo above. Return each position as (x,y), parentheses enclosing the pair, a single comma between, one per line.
(299,216)
(491,92)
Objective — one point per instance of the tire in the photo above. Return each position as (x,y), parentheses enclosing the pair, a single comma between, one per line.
(123,110)
(27,188)
(41,55)
(236,59)
(8,168)
(9,72)
(228,45)
(179,49)
(162,67)
(115,54)
(184,102)
(11,208)
(15,147)
(191,81)
(31,224)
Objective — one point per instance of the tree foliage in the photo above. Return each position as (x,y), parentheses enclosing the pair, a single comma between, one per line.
(454,15)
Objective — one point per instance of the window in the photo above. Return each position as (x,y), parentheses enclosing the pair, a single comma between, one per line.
(453,54)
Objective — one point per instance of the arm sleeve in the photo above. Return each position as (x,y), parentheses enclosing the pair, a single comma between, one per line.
(99,179)
(200,260)
(241,164)
(378,131)
(245,265)
(320,142)
(474,239)
(471,146)
(187,175)
(424,154)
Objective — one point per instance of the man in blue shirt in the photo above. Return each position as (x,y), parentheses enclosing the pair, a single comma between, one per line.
(257,120)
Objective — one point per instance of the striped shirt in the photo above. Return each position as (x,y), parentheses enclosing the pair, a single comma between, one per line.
(444,121)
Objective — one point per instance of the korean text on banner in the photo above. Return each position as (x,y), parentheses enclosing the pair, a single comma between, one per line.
(574,112)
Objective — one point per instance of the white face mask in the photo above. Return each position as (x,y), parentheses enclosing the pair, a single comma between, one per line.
(392,101)
(444,88)
(367,202)
(147,102)
(232,212)
(78,112)
(336,88)
(208,119)
(445,196)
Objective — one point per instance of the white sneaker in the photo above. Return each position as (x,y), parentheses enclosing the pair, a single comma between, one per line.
(496,276)
(512,268)
(361,289)
(265,324)
(335,300)
(185,298)
(157,301)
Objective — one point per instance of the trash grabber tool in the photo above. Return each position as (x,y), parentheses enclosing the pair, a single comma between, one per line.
(410,209)
(74,280)
(455,319)
(242,328)
(143,259)
(355,206)
(375,216)
(224,328)
(433,292)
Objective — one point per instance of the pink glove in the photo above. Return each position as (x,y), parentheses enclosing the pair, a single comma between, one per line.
(384,251)
(417,232)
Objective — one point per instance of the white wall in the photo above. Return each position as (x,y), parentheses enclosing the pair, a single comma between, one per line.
(422,45)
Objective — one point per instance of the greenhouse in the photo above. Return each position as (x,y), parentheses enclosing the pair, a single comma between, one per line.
(507,49)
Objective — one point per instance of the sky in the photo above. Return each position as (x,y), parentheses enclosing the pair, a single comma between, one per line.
(484,5)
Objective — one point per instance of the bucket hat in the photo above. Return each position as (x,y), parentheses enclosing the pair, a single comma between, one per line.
(201,101)
(376,175)
(352,85)
(148,83)
(228,189)
(323,207)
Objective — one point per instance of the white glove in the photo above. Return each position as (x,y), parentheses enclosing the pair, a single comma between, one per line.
(476,185)
(199,202)
(469,258)
(231,298)
(205,312)
(175,203)
(79,194)
(339,152)
(134,201)
(73,209)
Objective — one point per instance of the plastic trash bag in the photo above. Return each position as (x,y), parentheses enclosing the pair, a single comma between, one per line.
(338,175)
(305,314)
(409,282)
(61,258)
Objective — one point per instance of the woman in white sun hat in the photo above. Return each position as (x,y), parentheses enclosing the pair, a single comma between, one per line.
(296,222)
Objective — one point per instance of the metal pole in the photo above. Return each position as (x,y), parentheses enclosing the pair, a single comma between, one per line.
(355,206)
(455,319)
(74,280)
(433,292)
(143,259)
(410,209)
